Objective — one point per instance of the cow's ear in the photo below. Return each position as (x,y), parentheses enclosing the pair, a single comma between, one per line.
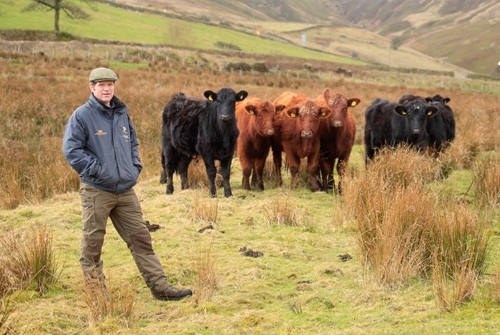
(353,102)
(401,110)
(292,112)
(250,109)
(446,100)
(279,108)
(325,111)
(241,95)
(431,111)
(210,95)
(326,94)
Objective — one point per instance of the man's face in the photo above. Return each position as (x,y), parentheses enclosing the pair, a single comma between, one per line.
(103,91)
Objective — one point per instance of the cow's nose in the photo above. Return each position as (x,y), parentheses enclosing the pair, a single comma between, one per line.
(337,124)
(270,132)
(416,131)
(306,134)
(224,117)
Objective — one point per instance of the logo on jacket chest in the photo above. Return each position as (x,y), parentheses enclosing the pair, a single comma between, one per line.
(101,132)
(125,134)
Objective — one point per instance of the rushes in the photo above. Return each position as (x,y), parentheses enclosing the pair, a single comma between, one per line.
(282,211)
(28,260)
(206,280)
(486,182)
(204,209)
(405,233)
(109,301)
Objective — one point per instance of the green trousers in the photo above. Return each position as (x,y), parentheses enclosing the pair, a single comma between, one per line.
(125,213)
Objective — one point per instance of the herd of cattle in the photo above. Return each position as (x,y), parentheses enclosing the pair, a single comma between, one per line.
(320,129)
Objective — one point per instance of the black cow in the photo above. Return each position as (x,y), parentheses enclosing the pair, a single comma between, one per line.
(389,124)
(193,127)
(441,128)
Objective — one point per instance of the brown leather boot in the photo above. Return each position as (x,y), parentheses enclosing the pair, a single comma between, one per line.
(171,293)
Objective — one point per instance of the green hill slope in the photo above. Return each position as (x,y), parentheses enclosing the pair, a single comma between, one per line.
(114,24)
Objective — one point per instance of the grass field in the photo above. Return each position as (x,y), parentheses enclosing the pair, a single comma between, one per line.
(312,277)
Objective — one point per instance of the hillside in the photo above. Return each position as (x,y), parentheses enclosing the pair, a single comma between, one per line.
(462,32)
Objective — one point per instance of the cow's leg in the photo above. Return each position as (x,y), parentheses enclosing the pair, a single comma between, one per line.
(294,164)
(312,168)
(253,181)
(170,161)
(326,168)
(163,175)
(225,169)
(277,160)
(182,168)
(211,174)
(246,169)
(260,163)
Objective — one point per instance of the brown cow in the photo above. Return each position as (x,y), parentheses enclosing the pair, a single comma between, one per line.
(296,135)
(337,134)
(255,122)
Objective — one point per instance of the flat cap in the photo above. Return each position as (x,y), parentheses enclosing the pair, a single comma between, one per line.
(102,74)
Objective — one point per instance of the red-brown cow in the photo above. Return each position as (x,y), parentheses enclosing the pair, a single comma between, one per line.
(336,136)
(255,122)
(296,135)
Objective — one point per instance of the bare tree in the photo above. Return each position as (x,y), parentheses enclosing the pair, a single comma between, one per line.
(66,6)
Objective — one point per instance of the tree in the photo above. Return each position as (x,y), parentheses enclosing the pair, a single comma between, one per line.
(396,42)
(66,6)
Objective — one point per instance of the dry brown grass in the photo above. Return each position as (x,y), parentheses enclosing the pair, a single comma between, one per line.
(282,211)
(460,244)
(486,182)
(28,260)
(405,232)
(207,279)
(204,209)
(41,93)
(109,300)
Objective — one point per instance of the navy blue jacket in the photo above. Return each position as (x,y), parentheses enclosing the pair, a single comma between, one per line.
(100,143)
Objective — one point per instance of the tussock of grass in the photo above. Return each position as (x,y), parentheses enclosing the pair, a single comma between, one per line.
(204,209)
(486,182)
(403,233)
(282,211)
(207,277)
(109,300)
(29,260)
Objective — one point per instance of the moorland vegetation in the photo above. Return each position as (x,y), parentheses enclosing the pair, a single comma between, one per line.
(411,246)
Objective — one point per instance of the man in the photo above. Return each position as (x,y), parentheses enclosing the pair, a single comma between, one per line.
(100,143)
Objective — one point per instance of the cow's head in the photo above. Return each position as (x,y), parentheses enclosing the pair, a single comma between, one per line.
(308,115)
(339,105)
(437,98)
(416,112)
(263,113)
(226,100)
(406,98)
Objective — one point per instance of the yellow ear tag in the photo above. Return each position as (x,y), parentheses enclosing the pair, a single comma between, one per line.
(353,103)
(429,113)
(292,115)
(241,97)
(404,113)
(252,113)
(323,113)
(210,98)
